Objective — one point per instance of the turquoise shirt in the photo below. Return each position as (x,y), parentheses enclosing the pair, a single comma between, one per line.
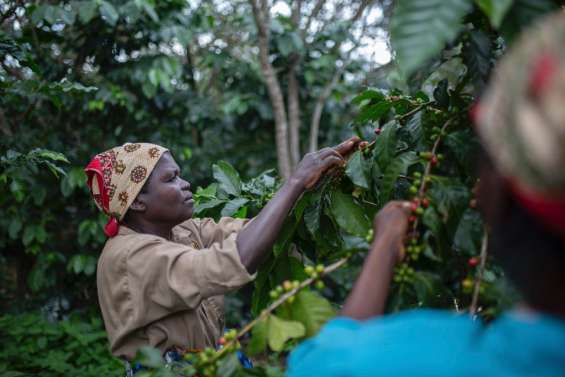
(435,344)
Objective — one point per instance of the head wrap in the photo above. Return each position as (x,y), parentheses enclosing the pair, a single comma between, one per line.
(521,120)
(116,176)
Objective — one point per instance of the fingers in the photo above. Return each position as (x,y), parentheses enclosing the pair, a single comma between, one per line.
(326,152)
(347,146)
(331,161)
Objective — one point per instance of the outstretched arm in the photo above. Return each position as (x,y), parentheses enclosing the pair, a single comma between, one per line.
(257,238)
(370,292)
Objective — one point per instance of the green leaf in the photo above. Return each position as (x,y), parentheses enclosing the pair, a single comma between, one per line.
(149,357)
(369,94)
(495,10)
(14,228)
(385,144)
(86,10)
(348,215)
(50,155)
(29,235)
(468,237)
(232,206)
(398,166)
(312,310)
(356,170)
(229,366)
(313,212)
(373,112)
(477,57)
(227,178)
(421,28)
(258,342)
(108,13)
(279,331)
(201,207)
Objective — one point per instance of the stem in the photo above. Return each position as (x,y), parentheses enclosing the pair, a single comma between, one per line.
(479,277)
(278,302)
(428,169)
(413,111)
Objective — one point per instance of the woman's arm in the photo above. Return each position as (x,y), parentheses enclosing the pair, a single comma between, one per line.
(370,292)
(258,237)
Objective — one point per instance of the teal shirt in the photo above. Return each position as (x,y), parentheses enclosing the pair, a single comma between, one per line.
(435,344)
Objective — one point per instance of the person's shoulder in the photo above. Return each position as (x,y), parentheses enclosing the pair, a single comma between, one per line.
(127,242)
(434,340)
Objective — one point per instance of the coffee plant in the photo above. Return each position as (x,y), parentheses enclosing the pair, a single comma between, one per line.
(420,147)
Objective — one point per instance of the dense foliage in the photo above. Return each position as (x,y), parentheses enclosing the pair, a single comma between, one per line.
(81,76)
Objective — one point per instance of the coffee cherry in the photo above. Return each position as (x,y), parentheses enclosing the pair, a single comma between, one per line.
(413,189)
(419,211)
(291,299)
(274,294)
(434,161)
(320,268)
(417,174)
(473,261)
(412,218)
(426,155)
(425,202)
(309,270)
(222,341)
(414,206)
(320,285)
(295,284)
(467,285)
(369,236)
(377,131)
(279,289)
(287,285)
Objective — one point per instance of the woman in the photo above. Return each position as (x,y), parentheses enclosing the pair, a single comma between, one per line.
(522,126)
(161,275)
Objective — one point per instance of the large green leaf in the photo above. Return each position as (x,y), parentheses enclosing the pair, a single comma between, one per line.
(310,309)
(356,170)
(477,57)
(348,215)
(280,330)
(385,144)
(227,177)
(397,167)
(421,28)
(495,10)
(232,206)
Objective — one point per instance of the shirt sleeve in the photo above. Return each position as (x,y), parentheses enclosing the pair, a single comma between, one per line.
(177,277)
(211,232)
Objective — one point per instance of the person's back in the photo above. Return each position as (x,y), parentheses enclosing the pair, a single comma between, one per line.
(521,123)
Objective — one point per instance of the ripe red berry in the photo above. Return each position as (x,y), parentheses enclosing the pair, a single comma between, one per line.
(414,206)
(425,202)
(473,261)
(412,218)
(434,160)
(377,131)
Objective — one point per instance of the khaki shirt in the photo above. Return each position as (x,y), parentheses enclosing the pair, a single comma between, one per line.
(169,293)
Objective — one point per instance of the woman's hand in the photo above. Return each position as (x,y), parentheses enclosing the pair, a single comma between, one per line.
(390,227)
(369,294)
(313,166)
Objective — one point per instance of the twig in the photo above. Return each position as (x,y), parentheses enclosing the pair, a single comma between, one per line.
(479,277)
(281,300)
(413,111)
(428,168)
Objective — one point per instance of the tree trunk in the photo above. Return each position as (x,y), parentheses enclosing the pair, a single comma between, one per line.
(294,113)
(318,109)
(261,16)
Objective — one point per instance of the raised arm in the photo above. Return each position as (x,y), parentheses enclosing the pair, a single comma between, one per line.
(257,238)
(370,292)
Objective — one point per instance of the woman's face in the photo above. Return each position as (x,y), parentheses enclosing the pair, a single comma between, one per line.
(167,198)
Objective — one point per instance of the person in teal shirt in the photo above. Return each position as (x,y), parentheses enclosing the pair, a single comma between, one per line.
(521,124)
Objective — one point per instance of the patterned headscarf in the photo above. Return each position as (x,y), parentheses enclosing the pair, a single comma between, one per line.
(521,120)
(116,176)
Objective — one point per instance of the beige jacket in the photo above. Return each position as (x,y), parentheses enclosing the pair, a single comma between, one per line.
(169,293)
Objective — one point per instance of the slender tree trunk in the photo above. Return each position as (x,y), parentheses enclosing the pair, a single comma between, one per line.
(261,16)
(294,114)
(318,109)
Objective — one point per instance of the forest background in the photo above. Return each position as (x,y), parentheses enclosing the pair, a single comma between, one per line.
(237,89)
